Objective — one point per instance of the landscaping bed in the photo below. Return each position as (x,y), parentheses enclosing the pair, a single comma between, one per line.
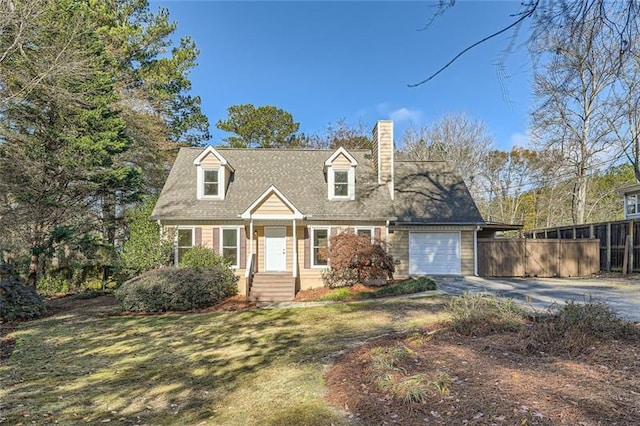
(486,380)
(363,292)
(492,364)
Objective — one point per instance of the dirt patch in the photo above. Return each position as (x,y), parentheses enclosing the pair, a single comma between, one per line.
(488,380)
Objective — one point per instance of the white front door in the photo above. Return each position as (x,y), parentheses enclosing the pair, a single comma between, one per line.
(275,248)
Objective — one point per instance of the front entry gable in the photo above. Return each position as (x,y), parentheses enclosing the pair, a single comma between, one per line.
(272,204)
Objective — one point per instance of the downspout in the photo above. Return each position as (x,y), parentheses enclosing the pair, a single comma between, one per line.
(475,250)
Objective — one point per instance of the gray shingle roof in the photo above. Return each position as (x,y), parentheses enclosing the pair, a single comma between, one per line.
(424,196)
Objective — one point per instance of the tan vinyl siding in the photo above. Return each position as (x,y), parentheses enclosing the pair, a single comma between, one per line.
(289,236)
(467,253)
(273,205)
(383,140)
(210,161)
(309,278)
(207,236)
(341,162)
(399,248)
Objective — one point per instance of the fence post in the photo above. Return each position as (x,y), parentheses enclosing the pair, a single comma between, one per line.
(592,233)
(631,244)
(609,247)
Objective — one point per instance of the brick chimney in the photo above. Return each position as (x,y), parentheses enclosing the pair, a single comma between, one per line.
(383,152)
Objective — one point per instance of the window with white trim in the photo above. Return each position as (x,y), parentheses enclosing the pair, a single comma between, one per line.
(185,240)
(368,231)
(633,204)
(319,240)
(341,183)
(229,245)
(210,183)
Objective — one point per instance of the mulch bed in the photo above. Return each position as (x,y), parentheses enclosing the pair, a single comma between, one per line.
(493,382)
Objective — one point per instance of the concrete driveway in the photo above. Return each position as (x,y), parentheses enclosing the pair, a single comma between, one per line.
(540,293)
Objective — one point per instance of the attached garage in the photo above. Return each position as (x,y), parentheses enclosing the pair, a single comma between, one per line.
(434,253)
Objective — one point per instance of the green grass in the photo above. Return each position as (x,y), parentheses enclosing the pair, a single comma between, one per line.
(337,295)
(414,285)
(247,368)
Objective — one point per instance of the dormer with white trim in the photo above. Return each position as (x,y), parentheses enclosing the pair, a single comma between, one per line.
(213,173)
(340,169)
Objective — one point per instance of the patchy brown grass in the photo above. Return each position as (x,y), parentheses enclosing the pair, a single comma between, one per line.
(486,380)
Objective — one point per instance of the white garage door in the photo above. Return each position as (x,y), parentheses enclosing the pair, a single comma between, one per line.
(434,253)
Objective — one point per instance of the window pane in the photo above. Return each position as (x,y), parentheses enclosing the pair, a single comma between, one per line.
(229,238)
(210,189)
(341,177)
(211,182)
(318,259)
(319,241)
(181,252)
(211,176)
(185,237)
(366,232)
(230,253)
(319,237)
(341,189)
(631,204)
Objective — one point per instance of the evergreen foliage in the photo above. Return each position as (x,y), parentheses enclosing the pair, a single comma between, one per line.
(145,249)
(177,289)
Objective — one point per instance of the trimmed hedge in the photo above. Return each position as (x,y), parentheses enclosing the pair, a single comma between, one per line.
(19,301)
(177,289)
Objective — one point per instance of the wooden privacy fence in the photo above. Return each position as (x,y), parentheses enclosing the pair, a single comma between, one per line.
(523,257)
(619,241)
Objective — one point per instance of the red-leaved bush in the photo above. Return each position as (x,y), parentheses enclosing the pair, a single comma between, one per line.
(354,258)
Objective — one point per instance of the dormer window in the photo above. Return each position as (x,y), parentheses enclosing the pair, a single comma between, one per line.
(340,183)
(340,170)
(212,173)
(210,182)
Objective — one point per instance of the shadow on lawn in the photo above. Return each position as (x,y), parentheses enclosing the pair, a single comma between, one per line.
(140,367)
(166,369)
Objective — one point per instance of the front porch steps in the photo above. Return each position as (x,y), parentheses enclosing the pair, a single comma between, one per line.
(272,287)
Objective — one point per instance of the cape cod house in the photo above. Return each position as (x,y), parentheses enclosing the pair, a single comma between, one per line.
(270,210)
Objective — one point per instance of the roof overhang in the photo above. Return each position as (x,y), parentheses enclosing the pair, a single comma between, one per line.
(248,213)
(629,189)
(338,152)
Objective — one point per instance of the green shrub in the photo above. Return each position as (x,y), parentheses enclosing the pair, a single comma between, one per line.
(52,285)
(177,289)
(480,314)
(19,301)
(201,257)
(575,328)
(415,285)
(337,294)
(145,250)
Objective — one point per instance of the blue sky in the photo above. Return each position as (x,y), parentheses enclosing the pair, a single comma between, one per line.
(323,61)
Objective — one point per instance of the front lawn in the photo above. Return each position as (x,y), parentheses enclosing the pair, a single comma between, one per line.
(85,365)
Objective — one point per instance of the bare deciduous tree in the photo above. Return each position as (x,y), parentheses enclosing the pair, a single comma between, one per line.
(455,138)
(573,89)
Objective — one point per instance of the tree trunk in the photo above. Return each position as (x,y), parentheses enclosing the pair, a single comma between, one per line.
(33,270)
